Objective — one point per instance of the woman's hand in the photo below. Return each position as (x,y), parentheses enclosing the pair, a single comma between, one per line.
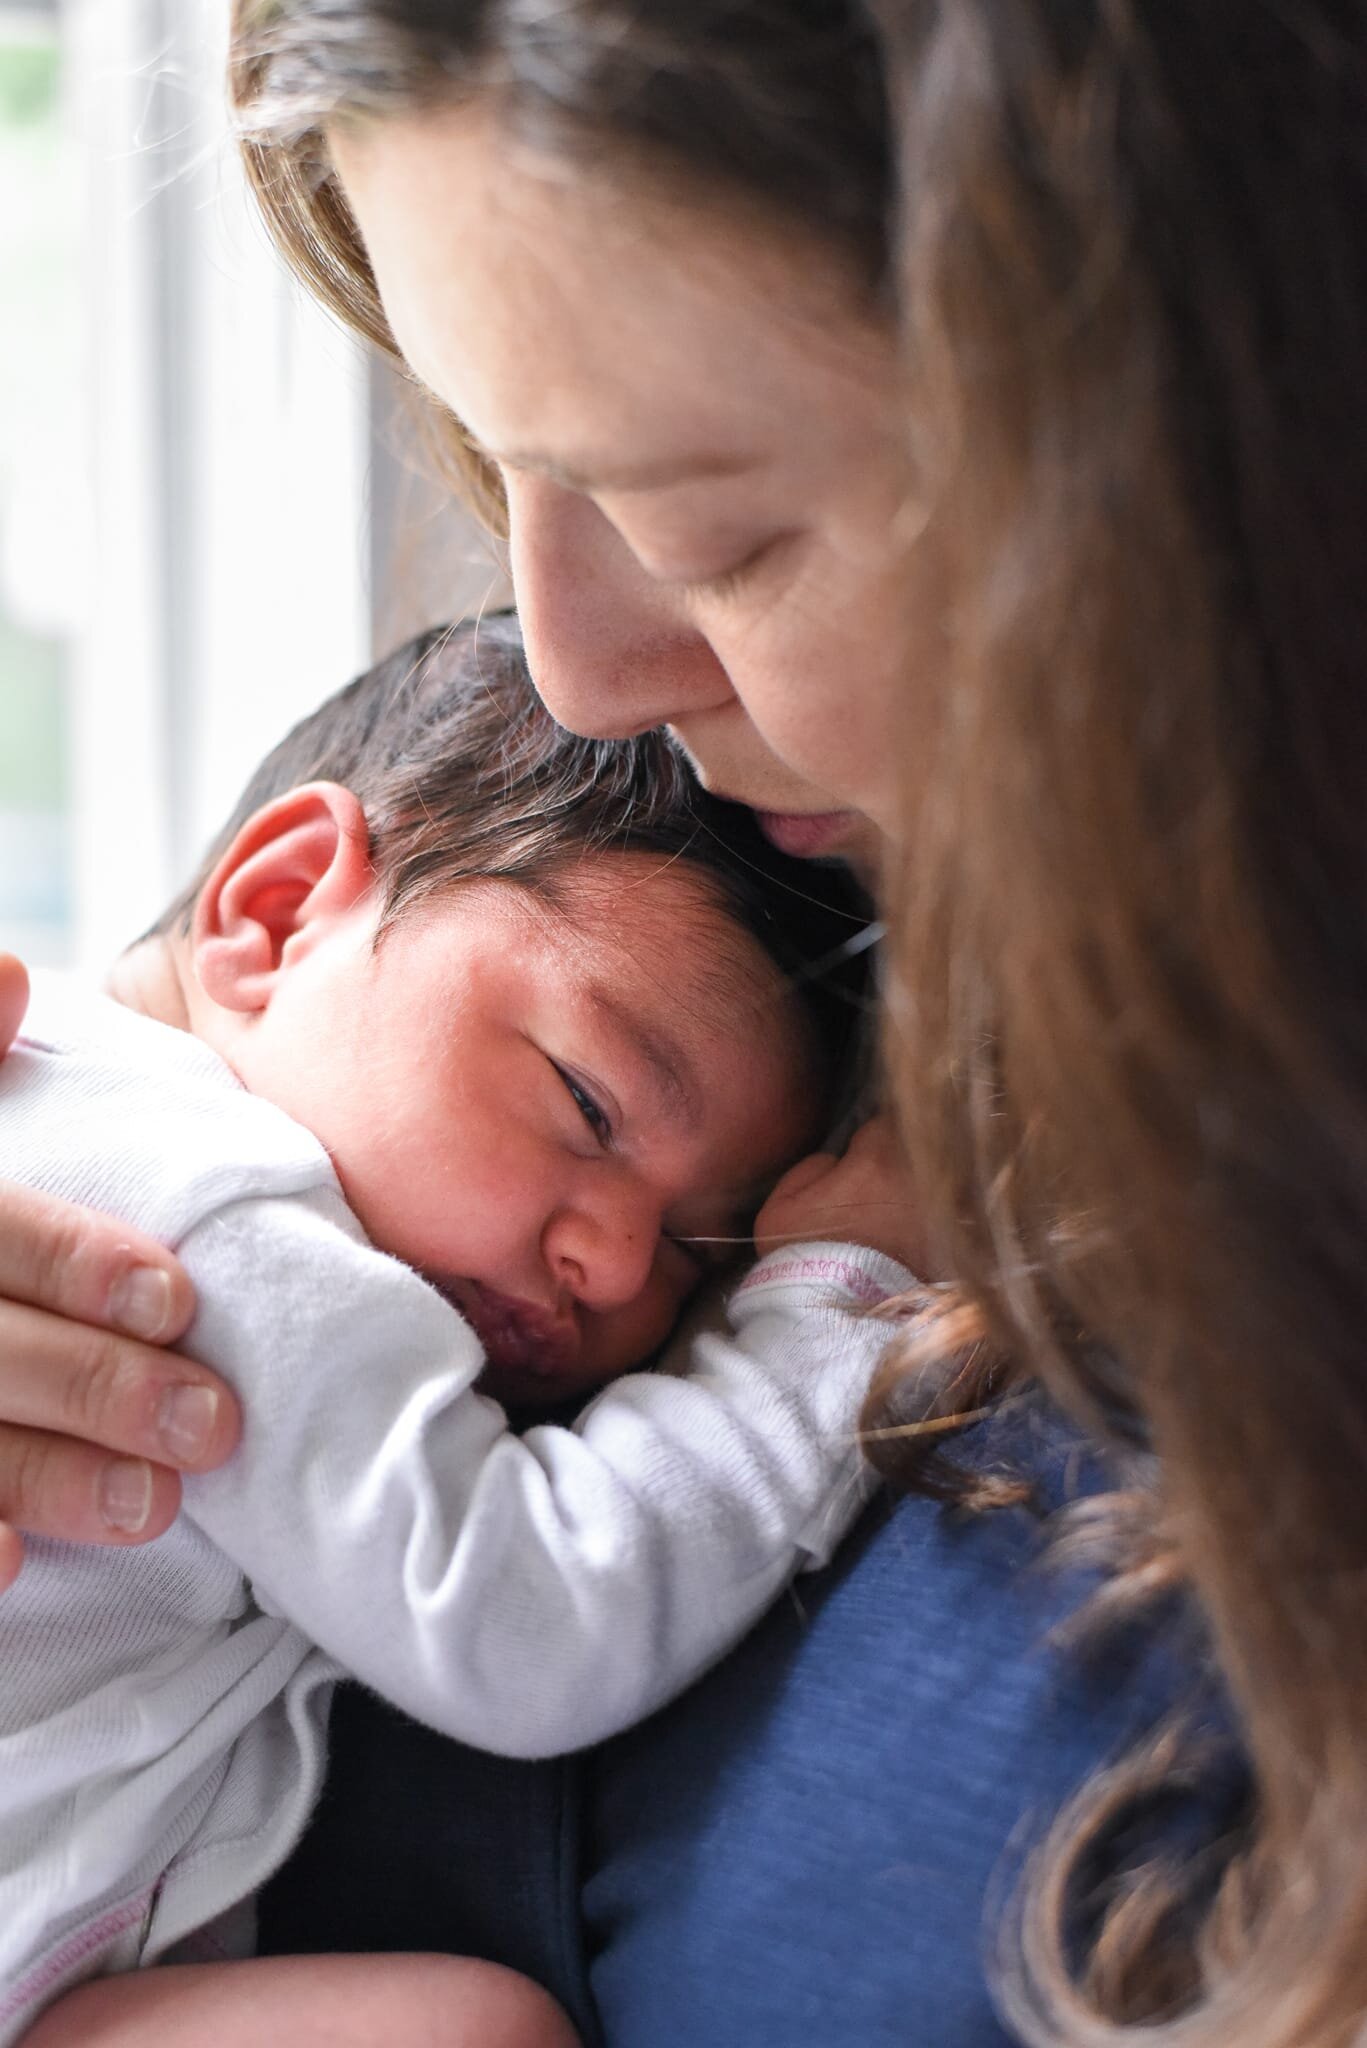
(863,1197)
(93,1416)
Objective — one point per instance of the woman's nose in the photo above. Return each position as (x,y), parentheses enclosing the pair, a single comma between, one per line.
(602,1252)
(608,653)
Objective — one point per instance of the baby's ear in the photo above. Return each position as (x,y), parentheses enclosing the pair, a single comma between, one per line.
(296,866)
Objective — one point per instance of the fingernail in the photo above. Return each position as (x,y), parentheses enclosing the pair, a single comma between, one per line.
(186,1420)
(140,1303)
(126,1494)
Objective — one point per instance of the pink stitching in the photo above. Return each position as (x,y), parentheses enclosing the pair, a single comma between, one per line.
(74,1950)
(845,1275)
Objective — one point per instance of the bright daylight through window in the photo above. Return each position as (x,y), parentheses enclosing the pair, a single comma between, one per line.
(41,522)
(180,426)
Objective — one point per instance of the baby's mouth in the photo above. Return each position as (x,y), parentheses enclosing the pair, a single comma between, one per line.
(517,1335)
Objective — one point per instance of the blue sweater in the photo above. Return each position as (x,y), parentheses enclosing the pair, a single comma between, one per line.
(800,1853)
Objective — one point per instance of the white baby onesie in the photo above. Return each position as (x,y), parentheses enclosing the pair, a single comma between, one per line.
(163,1709)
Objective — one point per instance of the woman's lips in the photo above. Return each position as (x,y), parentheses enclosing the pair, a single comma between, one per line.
(804,834)
(518,1336)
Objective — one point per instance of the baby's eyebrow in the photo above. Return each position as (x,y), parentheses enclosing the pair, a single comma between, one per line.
(673,1076)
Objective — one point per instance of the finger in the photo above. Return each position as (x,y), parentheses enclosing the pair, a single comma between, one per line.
(804,1174)
(79,1381)
(13,999)
(11,1555)
(875,1139)
(54,1486)
(81,1264)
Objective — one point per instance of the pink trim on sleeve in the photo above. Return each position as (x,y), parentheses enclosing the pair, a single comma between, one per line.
(55,1968)
(835,1272)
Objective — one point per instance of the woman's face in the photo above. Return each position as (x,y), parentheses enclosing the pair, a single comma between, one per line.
(699,434)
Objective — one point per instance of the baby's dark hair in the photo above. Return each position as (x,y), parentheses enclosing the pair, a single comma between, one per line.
(463,774)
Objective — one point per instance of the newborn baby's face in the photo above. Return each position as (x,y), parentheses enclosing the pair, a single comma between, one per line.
(542,1105)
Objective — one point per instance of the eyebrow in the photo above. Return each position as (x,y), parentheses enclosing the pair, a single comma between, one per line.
(635,477)
(673,1075)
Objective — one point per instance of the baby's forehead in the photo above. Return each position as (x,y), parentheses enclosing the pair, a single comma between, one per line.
(666,962)
(673,915)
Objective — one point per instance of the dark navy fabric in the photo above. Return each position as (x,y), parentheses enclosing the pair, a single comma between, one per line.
(800,1853)
(419,1843)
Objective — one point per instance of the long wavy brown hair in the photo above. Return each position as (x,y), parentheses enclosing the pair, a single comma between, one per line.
(1125,244)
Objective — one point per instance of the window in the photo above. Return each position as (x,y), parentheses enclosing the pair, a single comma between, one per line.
(201,530)
(226,425)
(183,470)
(41,520)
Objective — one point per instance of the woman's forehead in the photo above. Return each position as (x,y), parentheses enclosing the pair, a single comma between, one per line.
(594,327)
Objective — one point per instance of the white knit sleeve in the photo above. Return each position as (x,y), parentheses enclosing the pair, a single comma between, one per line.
(525,1594)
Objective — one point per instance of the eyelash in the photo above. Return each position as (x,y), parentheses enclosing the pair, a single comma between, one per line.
(720,587)
(597,1118)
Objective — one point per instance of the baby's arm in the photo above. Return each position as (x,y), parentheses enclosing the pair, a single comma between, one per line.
(526,1595)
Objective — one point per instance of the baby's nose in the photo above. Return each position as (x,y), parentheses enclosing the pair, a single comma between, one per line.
(603,1259)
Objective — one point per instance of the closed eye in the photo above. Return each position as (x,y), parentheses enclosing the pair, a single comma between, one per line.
(727,582)
(593,1113)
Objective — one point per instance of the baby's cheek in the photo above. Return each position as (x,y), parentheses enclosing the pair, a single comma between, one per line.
(626,1338)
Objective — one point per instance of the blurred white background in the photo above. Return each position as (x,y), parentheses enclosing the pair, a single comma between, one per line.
(207,521)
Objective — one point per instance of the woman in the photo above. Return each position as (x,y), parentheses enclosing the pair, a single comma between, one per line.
(948,415)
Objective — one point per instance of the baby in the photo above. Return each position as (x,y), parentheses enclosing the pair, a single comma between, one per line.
(471,1050)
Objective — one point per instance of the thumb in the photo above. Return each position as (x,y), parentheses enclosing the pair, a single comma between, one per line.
(13,999)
